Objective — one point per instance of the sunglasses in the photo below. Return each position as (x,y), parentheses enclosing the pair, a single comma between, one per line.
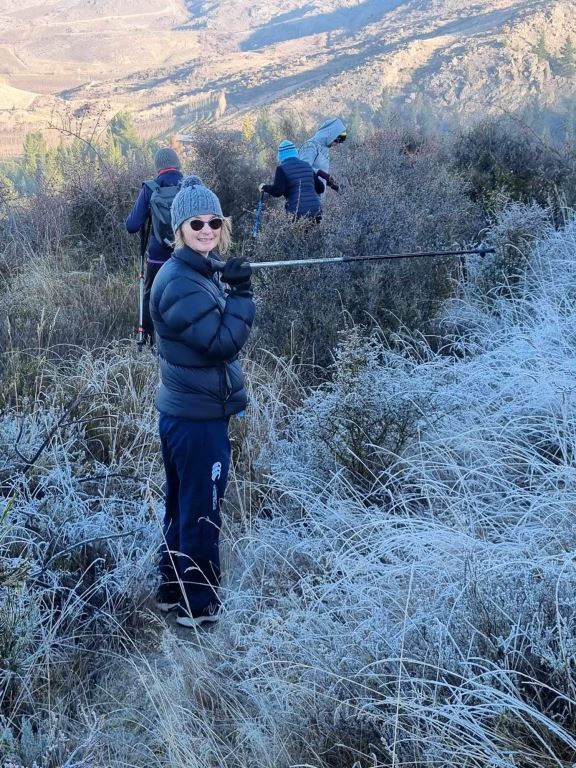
(339,139)
(197,225)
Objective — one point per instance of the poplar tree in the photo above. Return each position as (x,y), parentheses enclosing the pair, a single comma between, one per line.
(567,59)
(540,48)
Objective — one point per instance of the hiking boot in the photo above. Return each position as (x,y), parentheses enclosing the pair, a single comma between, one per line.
(166,600)
(209,616)
(166,606)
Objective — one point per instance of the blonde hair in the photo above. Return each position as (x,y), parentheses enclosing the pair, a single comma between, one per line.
(225,235)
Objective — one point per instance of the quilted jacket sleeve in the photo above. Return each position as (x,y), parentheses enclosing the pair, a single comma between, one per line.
(278,188)
(195,318)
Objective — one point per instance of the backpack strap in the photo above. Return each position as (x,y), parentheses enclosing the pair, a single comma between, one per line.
(151,184)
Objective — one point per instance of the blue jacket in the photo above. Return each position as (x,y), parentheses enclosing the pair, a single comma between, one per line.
(199,332)
(157,252)
(299,184)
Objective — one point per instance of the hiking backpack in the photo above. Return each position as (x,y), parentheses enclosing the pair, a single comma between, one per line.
(160,204)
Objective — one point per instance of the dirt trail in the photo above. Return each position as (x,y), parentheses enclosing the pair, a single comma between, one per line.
(74,22)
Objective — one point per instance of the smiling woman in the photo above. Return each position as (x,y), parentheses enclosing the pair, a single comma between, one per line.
(200,329)
(204,232)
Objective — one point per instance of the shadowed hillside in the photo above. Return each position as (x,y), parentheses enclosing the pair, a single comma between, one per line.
(164,61)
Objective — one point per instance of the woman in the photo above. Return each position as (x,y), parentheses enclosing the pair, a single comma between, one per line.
(200,329)
(297,182)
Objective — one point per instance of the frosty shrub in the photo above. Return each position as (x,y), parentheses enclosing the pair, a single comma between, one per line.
(275,390)
(514,229)
(358,424)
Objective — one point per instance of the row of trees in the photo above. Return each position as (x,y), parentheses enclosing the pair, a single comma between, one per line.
(84,138)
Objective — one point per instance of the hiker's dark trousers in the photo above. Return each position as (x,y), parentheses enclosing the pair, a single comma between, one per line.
(196,458)
(152,270)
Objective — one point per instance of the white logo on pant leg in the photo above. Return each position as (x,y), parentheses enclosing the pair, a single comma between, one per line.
(216,470)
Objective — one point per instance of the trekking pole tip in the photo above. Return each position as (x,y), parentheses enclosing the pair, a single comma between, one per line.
(484,249)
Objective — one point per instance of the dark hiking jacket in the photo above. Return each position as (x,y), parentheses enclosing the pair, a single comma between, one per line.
(157,252)
(299,184)
(199,332)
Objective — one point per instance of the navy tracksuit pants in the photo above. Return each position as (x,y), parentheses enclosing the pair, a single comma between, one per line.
(196,458)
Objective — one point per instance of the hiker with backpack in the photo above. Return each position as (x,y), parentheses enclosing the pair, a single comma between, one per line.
(316,151)
(200,329)
(297,182)
(151,217)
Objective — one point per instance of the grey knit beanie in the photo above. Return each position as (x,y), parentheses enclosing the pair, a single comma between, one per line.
(166,157)
(193,199)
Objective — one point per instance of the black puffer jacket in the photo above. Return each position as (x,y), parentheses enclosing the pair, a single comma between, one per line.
(199,332)
(299,184)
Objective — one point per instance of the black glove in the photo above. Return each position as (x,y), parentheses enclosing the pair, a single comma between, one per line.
(332,183)
(237,273)
(330,180)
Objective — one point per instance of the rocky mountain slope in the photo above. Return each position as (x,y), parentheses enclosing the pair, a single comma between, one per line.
(174,63)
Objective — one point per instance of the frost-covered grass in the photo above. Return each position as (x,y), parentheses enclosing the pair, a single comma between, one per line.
(80,474)
(414,604)
(400,573)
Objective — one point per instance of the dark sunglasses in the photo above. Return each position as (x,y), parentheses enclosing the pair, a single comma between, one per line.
(339,139)
(197,225)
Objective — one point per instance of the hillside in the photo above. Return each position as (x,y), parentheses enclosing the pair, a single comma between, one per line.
(174,63)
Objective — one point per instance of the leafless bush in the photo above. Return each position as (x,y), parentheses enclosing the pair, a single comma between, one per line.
(505,156)
(82,215)
(231,168)
(513,232)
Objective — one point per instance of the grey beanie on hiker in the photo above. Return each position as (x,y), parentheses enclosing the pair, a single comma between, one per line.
(193,199)
(166,157)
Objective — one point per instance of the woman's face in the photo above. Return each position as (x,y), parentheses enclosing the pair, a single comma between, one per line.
(204,240)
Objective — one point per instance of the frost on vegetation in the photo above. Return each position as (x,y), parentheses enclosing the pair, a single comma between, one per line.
(413,599)
(355,427)
(515,232)
(408,599)
(79,530)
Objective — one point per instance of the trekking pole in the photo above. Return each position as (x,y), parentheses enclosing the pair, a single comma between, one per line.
(480,251)
(259,209)
(144,235)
